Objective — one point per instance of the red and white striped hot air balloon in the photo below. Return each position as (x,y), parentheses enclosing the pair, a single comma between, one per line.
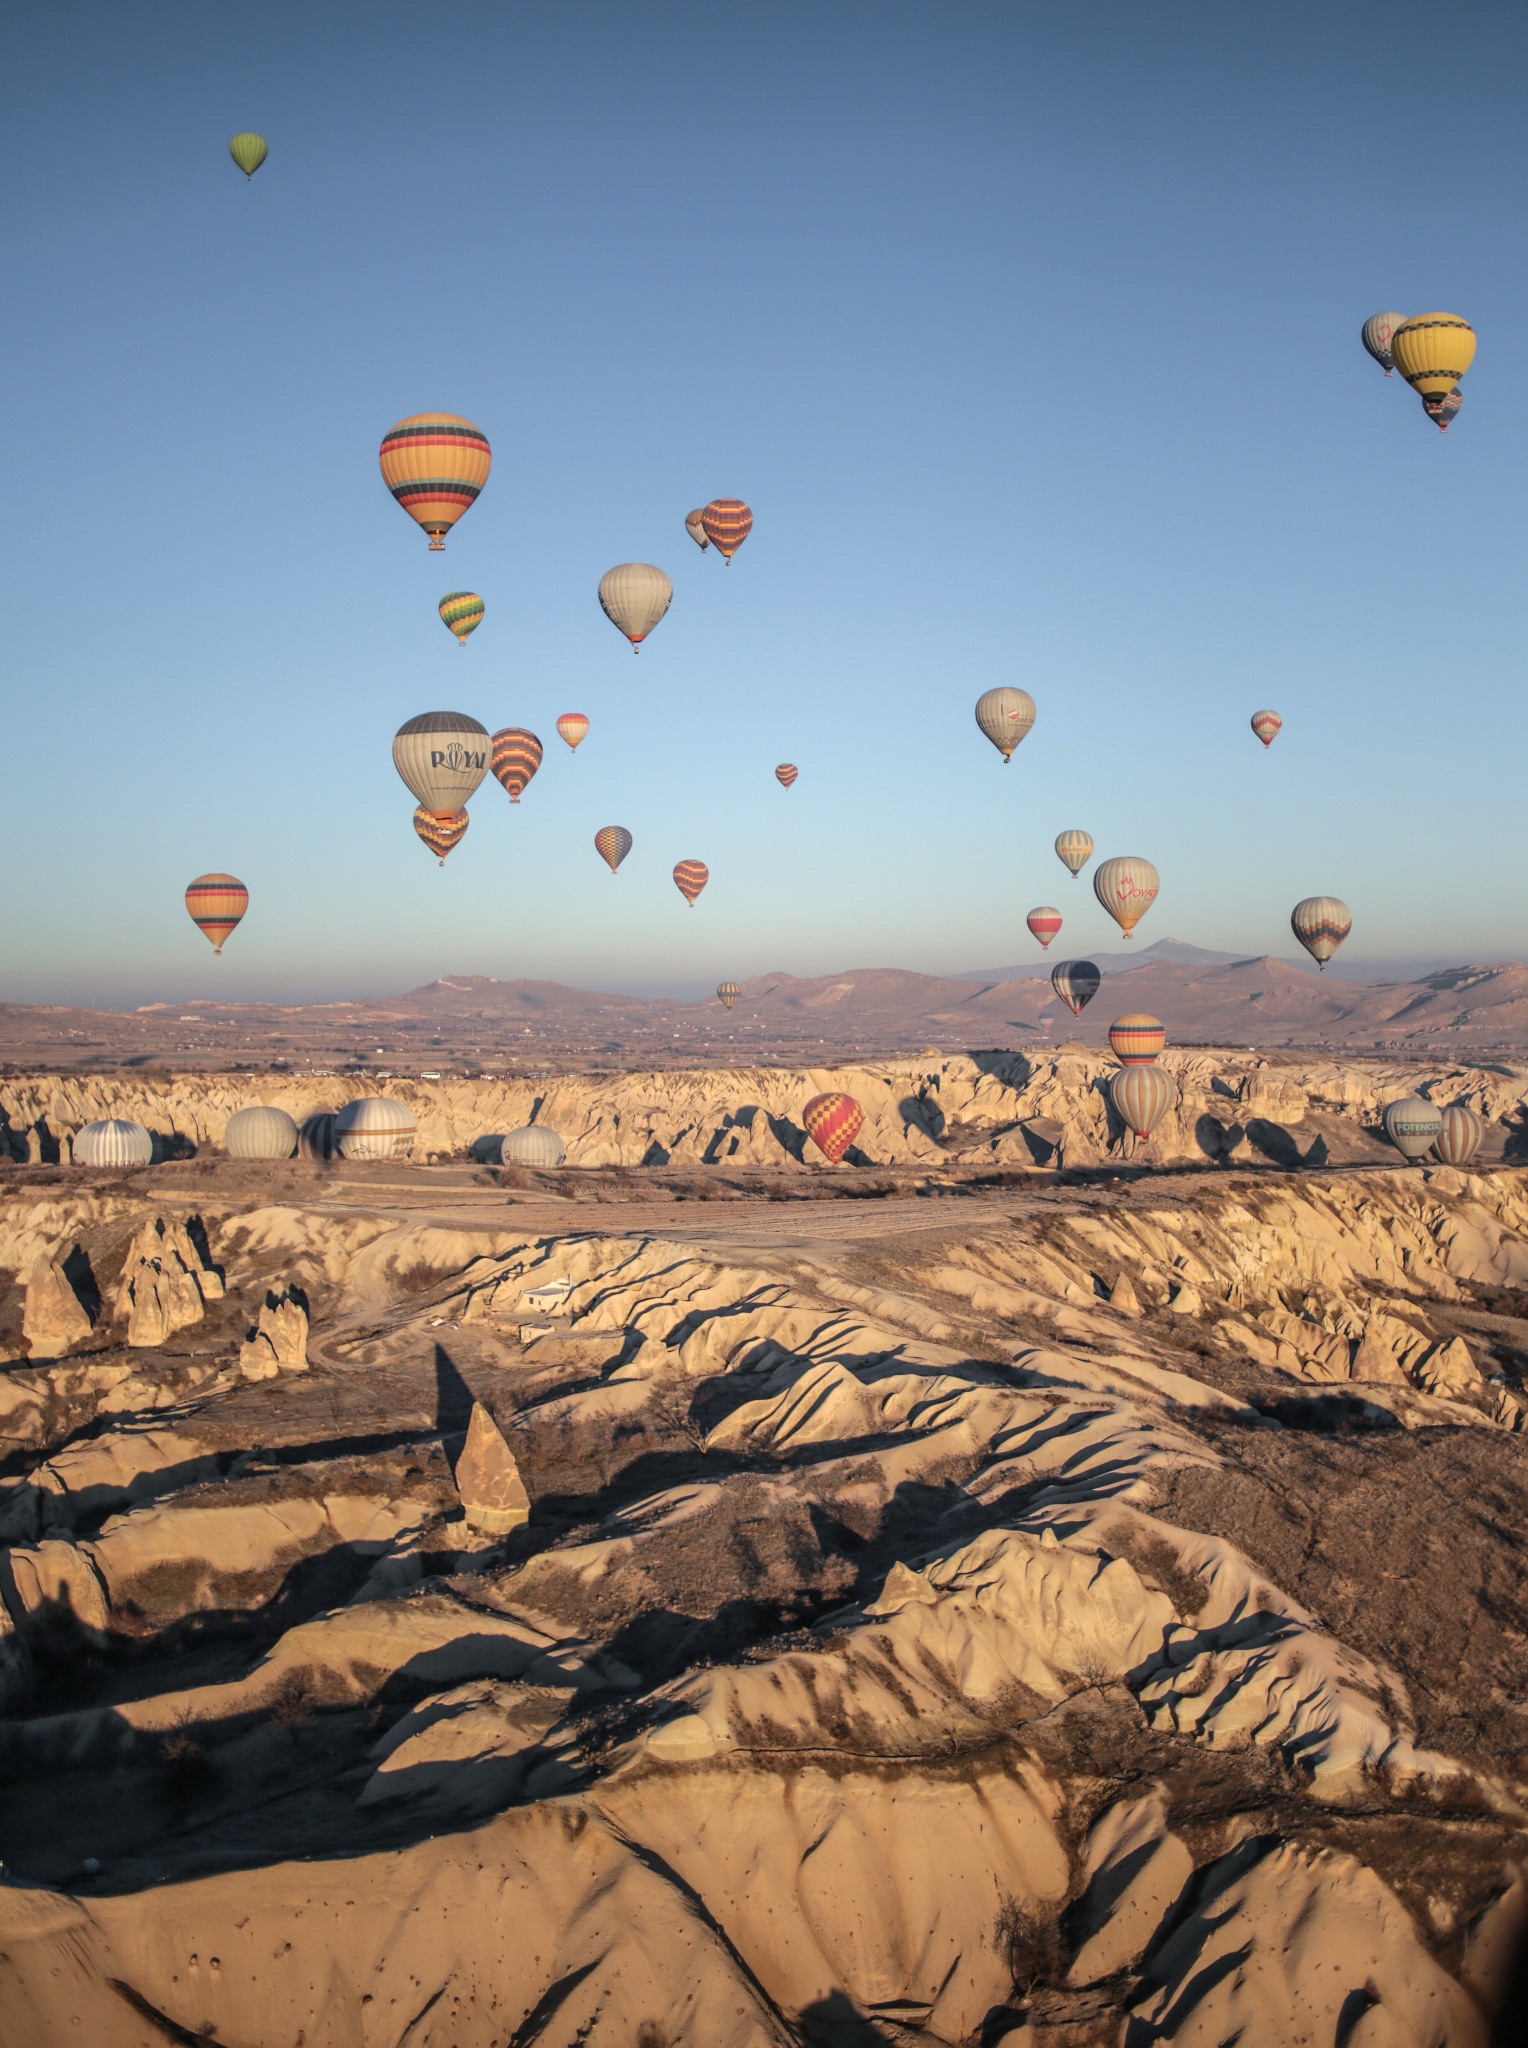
(1044,922)
(573,726)
(216,903)
(833,1122)
(690,877)
(1267,725)
(728,523)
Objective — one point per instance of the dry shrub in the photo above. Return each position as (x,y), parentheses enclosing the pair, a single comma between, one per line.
(420,1279)
(1029,1943)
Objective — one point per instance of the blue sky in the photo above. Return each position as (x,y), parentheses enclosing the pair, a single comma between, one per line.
(1030,334)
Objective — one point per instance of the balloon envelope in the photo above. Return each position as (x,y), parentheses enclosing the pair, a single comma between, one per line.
(316,1139)
(1076,982)
(1267,725)
(728,523)
(695,527)
(1432,351)
(260,1132)
(634,596)
(1044,922)
(374,1127)
(572,725)
(532,1145)
(1005,716)
(786,774)
(690,877)
(1126,887)
(216,903)
(1074,850)
(442,756)
(1441,410)
(1142,1096)
(435,464)
(462,611)
(440,830)
(249,151)
(515,758)
(1378,332)
(612,843)
(1321,923)
(728,993)
(1460,1137)
(1412,1126)
(833,1122)
(1135,1040)
(113,1141)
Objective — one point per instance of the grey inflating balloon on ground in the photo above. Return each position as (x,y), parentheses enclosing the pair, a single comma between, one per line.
(532,1145)
(113,1141)
(260,1132)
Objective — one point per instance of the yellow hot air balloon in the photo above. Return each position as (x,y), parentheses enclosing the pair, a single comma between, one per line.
(1432,351)
(462,611)
(435,463)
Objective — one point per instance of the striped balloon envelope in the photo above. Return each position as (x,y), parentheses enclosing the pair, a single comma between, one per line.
(316,1138)
(516,757)
(249,151)
(1460,1137)
(435,463)
(786,774)
(462,611)
(1142,1096)
(1044,922)
(440,830)
(833,1122)
(612,843)
(374,1127)
(1076,982)
(260,1132)
(1267,725)
(1074,850)
(695,527)
(727,993)
(1321,923)
(634,596)
(1136,1040)
(728,523)
(1005,715)
(572,726)
(216,903)
(113,1141)
(1126,887)
(690,877)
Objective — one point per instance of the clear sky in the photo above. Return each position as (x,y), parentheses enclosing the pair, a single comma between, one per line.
(1031,336)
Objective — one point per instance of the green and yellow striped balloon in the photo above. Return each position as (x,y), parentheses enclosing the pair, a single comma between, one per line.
(462,611)
(249,152)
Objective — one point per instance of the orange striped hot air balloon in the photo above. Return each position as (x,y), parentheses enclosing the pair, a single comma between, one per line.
(1044,922)
(572,725)
(612,843)
(690,877)
(216,903)
(516,757)
(728,523)
(440,830)
(833,1122)
(1136,1040)
(695,527)
(786,774)
(435,463)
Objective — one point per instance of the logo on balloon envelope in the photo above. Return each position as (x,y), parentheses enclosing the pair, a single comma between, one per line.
(456,758)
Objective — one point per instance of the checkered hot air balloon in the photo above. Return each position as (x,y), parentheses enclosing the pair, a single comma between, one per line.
(612,843)
(1074,850)
(515,758)
(573,726)
(727,993)
(728,523)
(462,611)
(1044,922)
(786,774)
(1076,982)
(1267,725)
(435,463)
(833,1122)
(216,903)
(1136,1040)
(440,830)
(690,877)
(1321,923)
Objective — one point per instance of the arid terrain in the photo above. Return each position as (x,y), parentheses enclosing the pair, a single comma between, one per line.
(1017,1586)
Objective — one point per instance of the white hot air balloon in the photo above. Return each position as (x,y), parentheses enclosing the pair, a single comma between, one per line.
(374,1127)
(260,1132)
(113,1141)
(442,756)
(1378,333)
(1321,923)
(1461,1136)
(634,596)
(532,1145)
(1412,1126)
(1005,716)
(1126,887)
(1143,1096)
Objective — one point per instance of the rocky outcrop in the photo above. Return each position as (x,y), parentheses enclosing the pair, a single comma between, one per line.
(493,1494)
(279,1341)
(54,1317)
(165,1284)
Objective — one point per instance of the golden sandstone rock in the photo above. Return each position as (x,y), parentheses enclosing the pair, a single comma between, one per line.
(488,1479)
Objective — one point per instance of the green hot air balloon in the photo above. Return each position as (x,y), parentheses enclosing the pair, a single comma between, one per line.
(249,152)
(462,611)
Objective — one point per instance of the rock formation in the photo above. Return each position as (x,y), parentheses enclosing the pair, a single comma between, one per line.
(488,1479)
(279,1341)
(54,1317)
(164,1285)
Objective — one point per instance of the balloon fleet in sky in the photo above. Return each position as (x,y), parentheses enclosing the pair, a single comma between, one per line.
(436,464)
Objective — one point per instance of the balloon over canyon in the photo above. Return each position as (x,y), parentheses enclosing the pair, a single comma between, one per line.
(1076,982)
(1044,922)
(1126,887)
(216,902)
(833,1121)
(1321,923)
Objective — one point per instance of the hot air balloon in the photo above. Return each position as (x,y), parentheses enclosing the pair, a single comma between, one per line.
(216,903)
(435,463)
(1136,1040)
(113,1141)
(1044,923)
(634,596)
(1412,1126)
(1005,716)
(1460,1137)
(442,756)
(727,993)
(1432,351)
(833,1122)
(690,877)
(1321,923)
(374,1127)
(462,611)
(572,725)
(440,830)
(515,758)
(1076,982)
(260,1132)
(1143,1096)
(1126,887)
(532,1145)
(1267,725)
(1378,332)
(249,152)
(728,523)
(695,527)
(1441,410)
(786,774)
(1074,850)
(612,843)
